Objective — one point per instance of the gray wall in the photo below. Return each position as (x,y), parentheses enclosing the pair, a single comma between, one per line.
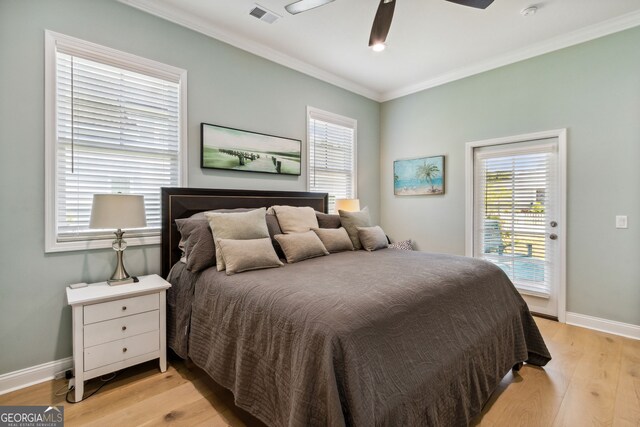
(593,90)
(226,86)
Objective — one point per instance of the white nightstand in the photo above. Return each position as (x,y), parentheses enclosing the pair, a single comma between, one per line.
(115,327)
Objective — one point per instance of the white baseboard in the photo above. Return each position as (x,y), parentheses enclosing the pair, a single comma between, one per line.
(33,375)
(603,325)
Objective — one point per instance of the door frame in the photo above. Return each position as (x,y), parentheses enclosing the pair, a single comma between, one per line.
(561,134)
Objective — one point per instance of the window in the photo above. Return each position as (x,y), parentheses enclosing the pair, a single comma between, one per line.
(332,155)
(114,124)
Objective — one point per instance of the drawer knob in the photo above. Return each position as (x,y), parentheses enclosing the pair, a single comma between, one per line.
(124,307)
(124,350)
(124,328)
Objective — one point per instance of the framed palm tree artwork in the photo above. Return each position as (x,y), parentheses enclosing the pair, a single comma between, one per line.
(418,177)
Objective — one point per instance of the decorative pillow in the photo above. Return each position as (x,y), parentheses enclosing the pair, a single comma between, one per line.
(301,246)
(334,239)
(199,250)
(352,220)
(405,245)
(296,219)
(237,226)
(328,220)
(196,241)
(245,255)
(372,238)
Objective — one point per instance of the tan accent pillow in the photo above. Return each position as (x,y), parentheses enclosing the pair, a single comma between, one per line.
(372,238)
(236,226)
(296,219)
(245,255)
(301,246)
(352,220)
(334,239)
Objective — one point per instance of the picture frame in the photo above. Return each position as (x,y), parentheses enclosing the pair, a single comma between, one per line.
(227,148)
(422,176)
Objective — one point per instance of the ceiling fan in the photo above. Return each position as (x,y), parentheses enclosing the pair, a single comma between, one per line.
(382,20)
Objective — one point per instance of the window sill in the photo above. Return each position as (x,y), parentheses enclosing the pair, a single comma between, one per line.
(85,245)
(523,289)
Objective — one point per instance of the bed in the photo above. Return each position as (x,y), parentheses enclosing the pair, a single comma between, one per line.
(354,338)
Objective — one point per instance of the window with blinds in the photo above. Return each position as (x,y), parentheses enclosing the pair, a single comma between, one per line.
(117,130)
(332,155)
(514,204)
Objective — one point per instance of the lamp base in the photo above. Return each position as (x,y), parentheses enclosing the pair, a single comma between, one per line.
(120,275)
(115,282)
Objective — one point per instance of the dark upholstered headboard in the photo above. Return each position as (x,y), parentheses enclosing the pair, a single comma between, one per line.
(184,202)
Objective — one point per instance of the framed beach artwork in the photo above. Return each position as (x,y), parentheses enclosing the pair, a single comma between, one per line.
(417,177)
(234,149)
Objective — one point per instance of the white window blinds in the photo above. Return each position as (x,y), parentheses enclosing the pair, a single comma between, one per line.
(513,196)
(332,155)
(116,131)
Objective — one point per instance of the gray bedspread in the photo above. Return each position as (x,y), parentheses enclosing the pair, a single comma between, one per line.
(387,338)
(179,300)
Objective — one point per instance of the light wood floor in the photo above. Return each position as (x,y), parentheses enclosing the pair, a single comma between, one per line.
(593,380)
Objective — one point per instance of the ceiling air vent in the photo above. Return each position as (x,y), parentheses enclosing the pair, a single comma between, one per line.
(263,14)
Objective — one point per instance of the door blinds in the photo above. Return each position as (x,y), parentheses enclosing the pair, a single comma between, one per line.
(513,196)
(331,156)
(117,131)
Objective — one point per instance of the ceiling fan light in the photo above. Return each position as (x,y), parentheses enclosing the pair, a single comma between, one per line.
(304,5)
(378,47)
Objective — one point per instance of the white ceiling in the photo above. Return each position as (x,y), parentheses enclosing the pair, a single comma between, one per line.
(430,42)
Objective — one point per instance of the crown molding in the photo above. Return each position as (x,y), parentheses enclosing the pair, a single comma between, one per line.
(582,35)
(200,26)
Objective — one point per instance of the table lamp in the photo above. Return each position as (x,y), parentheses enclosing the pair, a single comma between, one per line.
(349,205)
(118,211)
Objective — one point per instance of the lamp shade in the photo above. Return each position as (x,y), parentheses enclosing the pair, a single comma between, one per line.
(349,205)
(117,211)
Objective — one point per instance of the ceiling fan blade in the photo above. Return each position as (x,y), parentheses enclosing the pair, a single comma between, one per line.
(382,22)
(478,4)
(304,5)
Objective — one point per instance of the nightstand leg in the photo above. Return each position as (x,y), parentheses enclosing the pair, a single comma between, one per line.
(78,351)
(79,392)
(163,331)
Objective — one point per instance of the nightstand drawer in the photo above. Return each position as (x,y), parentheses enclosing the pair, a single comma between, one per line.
(123,307)
(123,327)
(117,351)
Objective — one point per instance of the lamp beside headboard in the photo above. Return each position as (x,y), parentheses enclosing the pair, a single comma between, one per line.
(184,202)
